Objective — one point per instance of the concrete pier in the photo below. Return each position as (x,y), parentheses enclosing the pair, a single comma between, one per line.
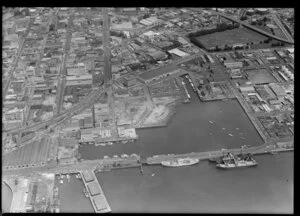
(262,149)
(97,196)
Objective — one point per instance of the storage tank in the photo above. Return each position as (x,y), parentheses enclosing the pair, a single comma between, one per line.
(262,11)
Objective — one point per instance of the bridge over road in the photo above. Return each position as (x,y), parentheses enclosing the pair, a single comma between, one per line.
(254,28)
(246,25)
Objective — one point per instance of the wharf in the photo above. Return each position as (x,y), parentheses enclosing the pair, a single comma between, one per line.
(111,139)
(262,149)
(96,194)
(256,123)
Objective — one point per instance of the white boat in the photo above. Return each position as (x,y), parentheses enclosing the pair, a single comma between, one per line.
(230,134)
(61,181)
(223,128)
(211,122)
(153,174)
(180,162)
(109,143)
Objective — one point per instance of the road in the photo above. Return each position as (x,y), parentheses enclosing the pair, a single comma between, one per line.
(62,77)
(106,43)
(246,25)
(37,69)
(253,28)
(89,100)
(10,75)
(279,23)
(175,62)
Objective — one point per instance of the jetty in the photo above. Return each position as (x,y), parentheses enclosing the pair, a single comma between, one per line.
(96,194)
(266,148)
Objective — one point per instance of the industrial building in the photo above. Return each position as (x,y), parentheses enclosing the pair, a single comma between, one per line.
(88,177)
(150,76)
(93,188)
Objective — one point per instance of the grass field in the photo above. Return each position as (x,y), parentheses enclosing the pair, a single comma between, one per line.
(230,37)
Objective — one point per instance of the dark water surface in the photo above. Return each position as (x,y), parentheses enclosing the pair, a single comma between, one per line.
(267,188)
(190,130)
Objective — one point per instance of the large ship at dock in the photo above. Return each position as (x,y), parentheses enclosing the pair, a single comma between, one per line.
(180,162)
(232,161)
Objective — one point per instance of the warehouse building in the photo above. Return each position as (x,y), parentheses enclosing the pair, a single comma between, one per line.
(277,89)
(88,177)
(93,188)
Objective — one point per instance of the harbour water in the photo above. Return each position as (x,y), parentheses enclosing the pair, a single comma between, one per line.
(71,196)
(195,127)
(267,188)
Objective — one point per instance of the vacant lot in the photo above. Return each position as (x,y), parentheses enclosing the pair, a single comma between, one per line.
(260,76)
(230,37)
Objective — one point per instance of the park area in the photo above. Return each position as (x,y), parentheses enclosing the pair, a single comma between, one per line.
(230,37)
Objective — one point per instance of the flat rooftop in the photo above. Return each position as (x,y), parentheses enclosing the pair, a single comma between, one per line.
(88,176)
(153,73)
(100,202)
(94,188)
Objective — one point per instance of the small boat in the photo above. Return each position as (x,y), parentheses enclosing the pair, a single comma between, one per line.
(109,143)
(237,128)
(223,128)
(106,157)
(61,181)
(230,134)
(211,122)
(153,174)
(102,144)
